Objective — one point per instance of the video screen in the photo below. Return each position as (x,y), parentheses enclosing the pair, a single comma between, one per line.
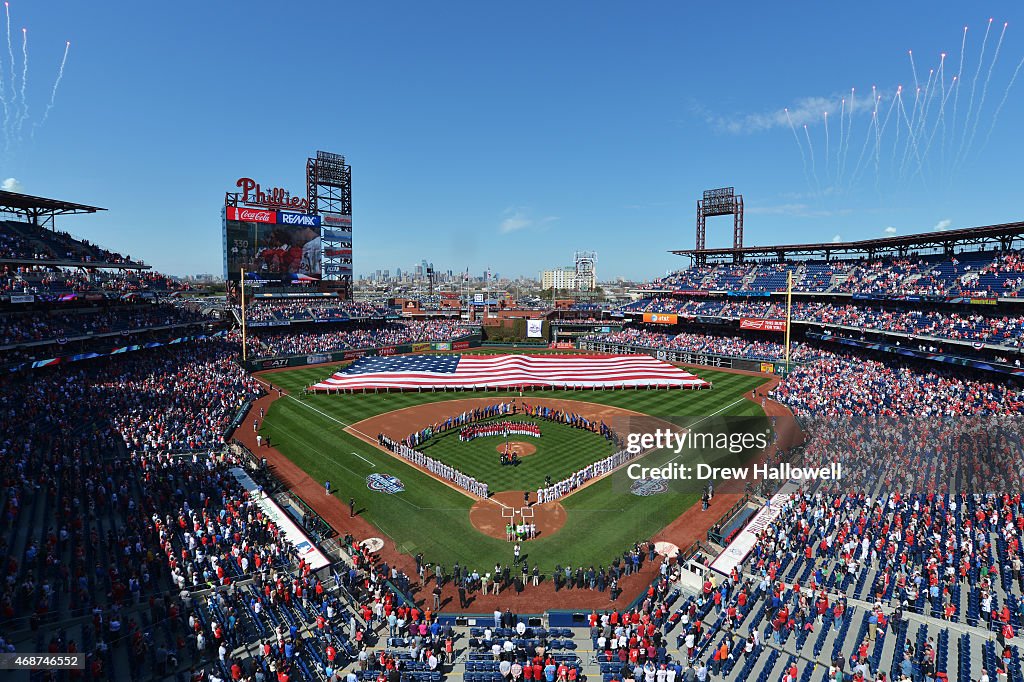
(272,246)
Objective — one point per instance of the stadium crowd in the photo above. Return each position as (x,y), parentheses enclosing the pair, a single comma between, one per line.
(1002,329)
(37,327)
(103,522)
(735,346)
(19,240)
(47,282)
(966,274)
(263,311)
(271,344)
(843,384)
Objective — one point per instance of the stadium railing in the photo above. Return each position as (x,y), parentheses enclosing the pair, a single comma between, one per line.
(302,513)
(716,537)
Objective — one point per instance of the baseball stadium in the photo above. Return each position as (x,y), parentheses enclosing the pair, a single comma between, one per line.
(798,460)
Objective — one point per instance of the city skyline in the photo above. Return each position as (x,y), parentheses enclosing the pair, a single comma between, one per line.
(846,123)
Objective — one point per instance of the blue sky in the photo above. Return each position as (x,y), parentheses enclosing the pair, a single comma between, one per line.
(510,135)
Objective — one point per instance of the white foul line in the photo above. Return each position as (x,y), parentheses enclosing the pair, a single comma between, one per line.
(689,427)
(364,459)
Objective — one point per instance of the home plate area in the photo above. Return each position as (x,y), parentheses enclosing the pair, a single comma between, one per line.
(492,516)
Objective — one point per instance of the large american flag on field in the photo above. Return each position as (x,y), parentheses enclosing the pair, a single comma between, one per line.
(509,371)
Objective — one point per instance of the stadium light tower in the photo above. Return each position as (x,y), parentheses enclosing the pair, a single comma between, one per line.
(329,194)
(585,275)
(721,201)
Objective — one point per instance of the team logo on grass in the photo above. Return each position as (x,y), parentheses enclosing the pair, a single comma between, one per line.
(645,487)
(384,483)
(373,545)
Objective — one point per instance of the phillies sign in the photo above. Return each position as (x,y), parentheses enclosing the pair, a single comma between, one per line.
(273,197)
(763,325)
(298,219)
(251,215)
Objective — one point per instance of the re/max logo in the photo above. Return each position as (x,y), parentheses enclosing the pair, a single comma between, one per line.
(298,219)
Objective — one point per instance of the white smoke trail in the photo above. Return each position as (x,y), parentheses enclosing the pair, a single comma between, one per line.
(956,95)
(53,93)
(929,95)
(1006,94)
(803,157)
(940,121)
(9,124)
(814,170)
(912,139)
(849,131)
(915,116)
(24,81)
(974,86)
(984,89)
(828,171)
(6,109)
(839,149)
(872,133)
(881,133)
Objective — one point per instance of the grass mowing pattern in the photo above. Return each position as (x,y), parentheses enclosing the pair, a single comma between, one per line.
(561,450)
(432,518)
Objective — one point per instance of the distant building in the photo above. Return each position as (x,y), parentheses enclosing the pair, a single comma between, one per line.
(565,278)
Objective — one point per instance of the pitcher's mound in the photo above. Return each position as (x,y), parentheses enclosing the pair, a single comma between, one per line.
(486,515)
(518,447)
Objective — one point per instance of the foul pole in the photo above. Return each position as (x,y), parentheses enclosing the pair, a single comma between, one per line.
(245,355)
(789,309)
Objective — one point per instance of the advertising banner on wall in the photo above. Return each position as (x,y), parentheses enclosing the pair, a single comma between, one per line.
(534,329)
(336,220)
(661,318)
(251,215)
(301,219)
(763,325)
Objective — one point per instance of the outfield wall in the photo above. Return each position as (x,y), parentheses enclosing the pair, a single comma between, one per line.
(352,354)
(685,357)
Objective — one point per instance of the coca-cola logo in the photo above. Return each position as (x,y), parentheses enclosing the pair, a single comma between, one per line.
(256,215)
(251,215)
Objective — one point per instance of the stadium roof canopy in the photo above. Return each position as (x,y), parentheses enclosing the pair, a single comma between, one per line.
(35,208)
(946,241)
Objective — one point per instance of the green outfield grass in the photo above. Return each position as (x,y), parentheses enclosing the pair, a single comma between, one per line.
(561,450)
(432,518)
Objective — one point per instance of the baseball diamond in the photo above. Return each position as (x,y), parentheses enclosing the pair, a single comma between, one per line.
(335,437)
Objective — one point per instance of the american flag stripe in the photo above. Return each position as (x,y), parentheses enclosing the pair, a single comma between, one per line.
(509,371)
